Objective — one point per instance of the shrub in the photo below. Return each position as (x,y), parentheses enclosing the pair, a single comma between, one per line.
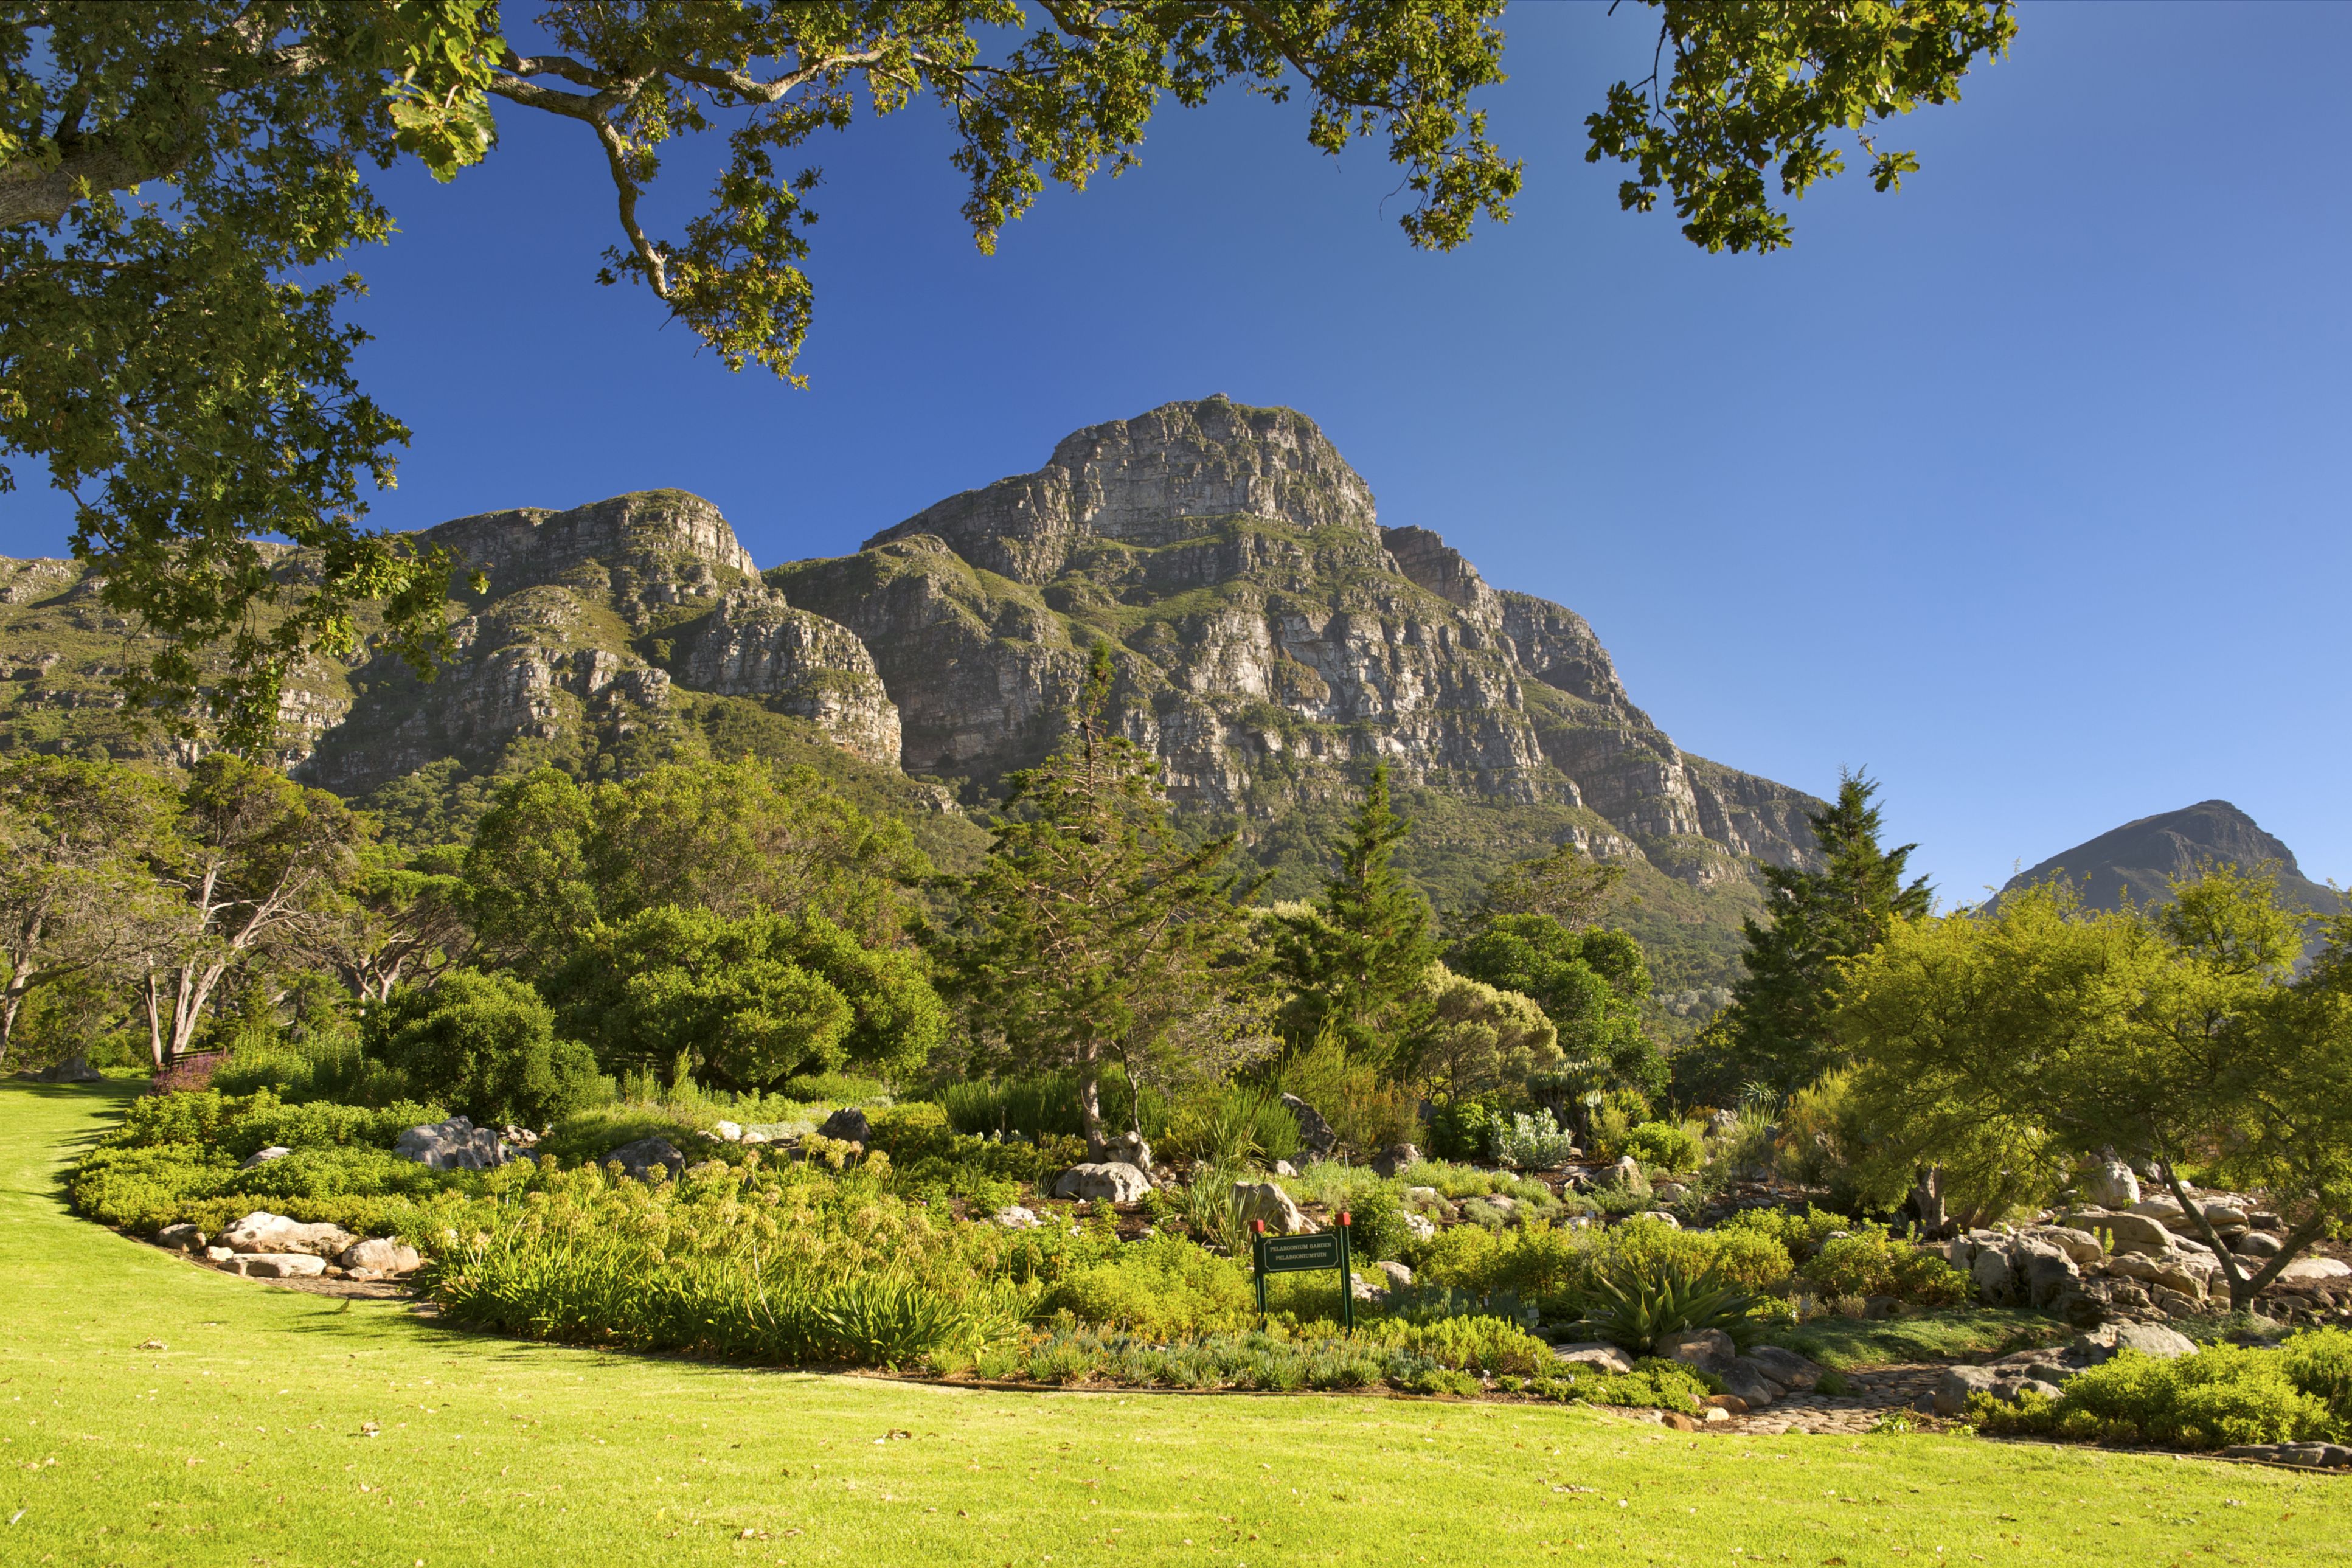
(1750,1260)
(1662,1144)
(1376,1227)
(1366,1112)
(1164,1288)
(1534,1142)
(1047,1103)
(1802,1233)
(2223,1394)
(486,1043)
(1871,1262)
(834,1088)
(1465,1129)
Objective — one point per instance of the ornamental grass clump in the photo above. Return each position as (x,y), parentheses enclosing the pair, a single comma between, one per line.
(2219,1398)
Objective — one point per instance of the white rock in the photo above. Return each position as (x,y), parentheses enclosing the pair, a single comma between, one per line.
(1012,1216)
(263,1231)
(381,1256)
(279,1265)
(455,1144)
(1113,1179)
(265,1156)
(1662,1216)
(1285,1168)
(730,1131)
(1599,1355)
(1421,1225)
(2315,1268)
(181,1237)
(1396,1275)
(2112,1185)
(1265,1201)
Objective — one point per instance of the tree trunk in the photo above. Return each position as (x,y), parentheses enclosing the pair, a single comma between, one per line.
(1090,1104)
(1927,1193)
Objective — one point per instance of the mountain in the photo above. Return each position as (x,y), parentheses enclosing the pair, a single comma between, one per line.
(2140,859)
(1273,640)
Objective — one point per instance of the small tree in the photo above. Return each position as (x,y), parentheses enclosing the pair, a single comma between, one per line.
(1567,885)
(486,1045)
(1357,960)
(1091,934)
(1476,1039)
(747,1001)
(1775,1030)
(2008,1047)
(402,921)
(257,856)
(1589,984)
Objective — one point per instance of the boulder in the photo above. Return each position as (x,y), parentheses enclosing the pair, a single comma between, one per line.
(1786,1367)
(2079,1245)
(1747,1380)
(219,1255)
(2307,1268)
(279,1265)
(1285,1168)
(2111,1185)
(1662,1216)
(261,1157)
(2132,1231)
(1423,1195)
(2315,1455)
(1129,1149)
(2257,1243)
(1113,1179)
(647,1155)
(262,1232)
(2149,1339)
(1265,1201)
(1314,1134)
(2048,1272)
(1396,1275)
(182,1237)
(1670,1192)
(1961,1384)
(732,1132)
(1597,1354)
(73,1069)
(1395,1158)
(380,1256)
(1420,1227)
(2161,1206)
(1626,1174)
(1012,1216)
(848,1124)
(455,1144)
(1694,1347)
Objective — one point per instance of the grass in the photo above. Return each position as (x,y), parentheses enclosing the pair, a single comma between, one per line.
(1957,1333)
(243,1443)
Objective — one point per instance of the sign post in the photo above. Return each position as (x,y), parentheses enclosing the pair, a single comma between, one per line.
(1304,1254)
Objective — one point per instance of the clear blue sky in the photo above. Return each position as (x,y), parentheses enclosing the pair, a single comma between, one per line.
(2024,486)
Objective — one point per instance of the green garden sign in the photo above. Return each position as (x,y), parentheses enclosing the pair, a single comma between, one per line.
(1301,1254)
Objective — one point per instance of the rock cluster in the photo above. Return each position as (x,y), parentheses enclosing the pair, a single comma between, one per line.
(455,1144)
(265,1245)
(1756,1379)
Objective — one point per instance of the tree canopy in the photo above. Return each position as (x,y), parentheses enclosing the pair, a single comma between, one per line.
(179,177)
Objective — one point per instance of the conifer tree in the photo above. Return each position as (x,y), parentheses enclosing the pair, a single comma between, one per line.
(1091,934)
(1776,1031)
(1358,958)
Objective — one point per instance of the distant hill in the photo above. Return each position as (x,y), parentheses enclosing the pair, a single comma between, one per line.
(2140,859)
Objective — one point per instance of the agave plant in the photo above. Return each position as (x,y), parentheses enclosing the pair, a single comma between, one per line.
(1639,1303)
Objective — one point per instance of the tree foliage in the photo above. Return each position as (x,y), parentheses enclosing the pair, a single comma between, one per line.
(552,857)
(1589,984)
(745,1000)
(484,1045)
(1355,962)
(1738,90)
(1091,934)
(2007,1046)
(1776,1031)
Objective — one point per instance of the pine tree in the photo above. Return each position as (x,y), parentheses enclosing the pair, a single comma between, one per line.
(1091,934)
(1775,1030)
(1358,960)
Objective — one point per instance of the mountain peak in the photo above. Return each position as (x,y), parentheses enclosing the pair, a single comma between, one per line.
(1159,478)
(2141,859)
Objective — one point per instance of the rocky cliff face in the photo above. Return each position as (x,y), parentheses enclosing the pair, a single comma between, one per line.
(1272,641)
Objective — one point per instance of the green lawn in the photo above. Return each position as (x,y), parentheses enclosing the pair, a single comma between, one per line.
(243,1443)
